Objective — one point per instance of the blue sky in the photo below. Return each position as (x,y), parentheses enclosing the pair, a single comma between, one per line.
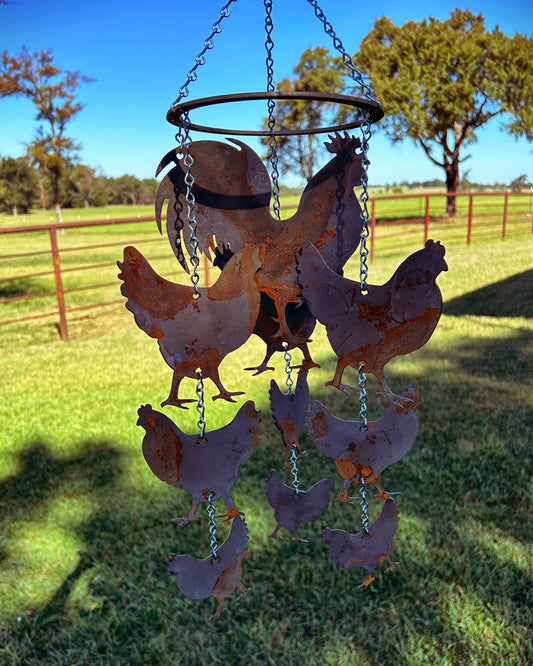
(140,54)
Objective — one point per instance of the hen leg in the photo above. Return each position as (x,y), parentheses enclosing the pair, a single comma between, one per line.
(307,362)
(231,509)
(174,389)
(261,368)
(398,400)
(336,381)
(191,515)
(211,371)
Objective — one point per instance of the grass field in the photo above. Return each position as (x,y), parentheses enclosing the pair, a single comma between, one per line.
(85,529)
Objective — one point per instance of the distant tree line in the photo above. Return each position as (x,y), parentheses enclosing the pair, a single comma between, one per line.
(23,187)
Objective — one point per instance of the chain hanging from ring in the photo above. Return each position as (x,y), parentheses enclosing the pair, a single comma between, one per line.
(366,132)
(200,58)
(271,105)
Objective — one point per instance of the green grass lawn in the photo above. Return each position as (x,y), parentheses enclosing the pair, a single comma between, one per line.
(86,531)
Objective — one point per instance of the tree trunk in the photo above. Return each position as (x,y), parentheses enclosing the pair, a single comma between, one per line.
(59,217)
(452,183)
(15,211)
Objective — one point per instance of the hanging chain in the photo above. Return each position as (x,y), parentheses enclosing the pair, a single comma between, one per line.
(212,526)
(294,469)
(200,406)
(288,370)
(366,90)
(364,506)
(362,398)
(200,58)
(271,105)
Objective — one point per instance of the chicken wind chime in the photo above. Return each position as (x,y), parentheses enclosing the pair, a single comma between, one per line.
(277,279)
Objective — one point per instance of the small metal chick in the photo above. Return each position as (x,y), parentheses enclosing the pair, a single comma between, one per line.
(363,550)
(291,508)
(199,579)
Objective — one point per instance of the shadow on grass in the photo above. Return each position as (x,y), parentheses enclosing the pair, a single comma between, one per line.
(512,297)
(461,595)
(20,287)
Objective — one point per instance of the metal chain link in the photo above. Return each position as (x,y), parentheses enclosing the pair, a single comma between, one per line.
(357,76)
(200,406)
(362,397)
(200,58)
(271,105)
(364,506)
(288,370)
(212,526)
(294,469)
(188,160)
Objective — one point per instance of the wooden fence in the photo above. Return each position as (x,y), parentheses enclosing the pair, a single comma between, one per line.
(395,222)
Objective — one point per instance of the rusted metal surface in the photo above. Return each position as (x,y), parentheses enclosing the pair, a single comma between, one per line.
(289,411)
(291,508)
(200,579)
(372,108)
(232,193)
(359,550)
(299,320)
(391,319)
(365,453)
(199,467)
(193,333)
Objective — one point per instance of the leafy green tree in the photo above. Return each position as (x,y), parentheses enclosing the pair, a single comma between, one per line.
(17,185)
(52,91)
(440,81)
(317,70)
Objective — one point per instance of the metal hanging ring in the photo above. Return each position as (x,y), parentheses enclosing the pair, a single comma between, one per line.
(373,110)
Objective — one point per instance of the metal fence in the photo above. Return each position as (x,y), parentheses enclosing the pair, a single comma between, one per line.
(396,221)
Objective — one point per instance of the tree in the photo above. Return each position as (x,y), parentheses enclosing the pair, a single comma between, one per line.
(316,70)
(17,185)
(440,81)
(86,186)
(52,91)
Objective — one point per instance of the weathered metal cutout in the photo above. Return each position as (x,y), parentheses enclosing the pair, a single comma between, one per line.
(391,319)
(301,323)
(367,453)
(232,194)
(288,412)
(199,579)
(291,508)
(200,468)
(366,551)
(193,333)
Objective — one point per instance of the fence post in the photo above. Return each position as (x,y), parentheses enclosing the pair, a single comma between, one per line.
(426,221)
(63,328)
(470,210)
(504,221)
(372,229)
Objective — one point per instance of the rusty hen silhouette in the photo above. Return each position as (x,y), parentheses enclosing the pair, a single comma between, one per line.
(366,551)
(291,508)
(193,332)
(232,193)
(288,412)
(357,453)
(199,579)
(389,320)
(200,468)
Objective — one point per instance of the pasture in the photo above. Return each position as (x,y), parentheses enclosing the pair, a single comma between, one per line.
(86,531)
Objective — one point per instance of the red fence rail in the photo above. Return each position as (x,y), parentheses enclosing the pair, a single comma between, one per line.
(408,221)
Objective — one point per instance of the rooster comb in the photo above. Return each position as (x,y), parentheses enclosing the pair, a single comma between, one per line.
(342,143)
